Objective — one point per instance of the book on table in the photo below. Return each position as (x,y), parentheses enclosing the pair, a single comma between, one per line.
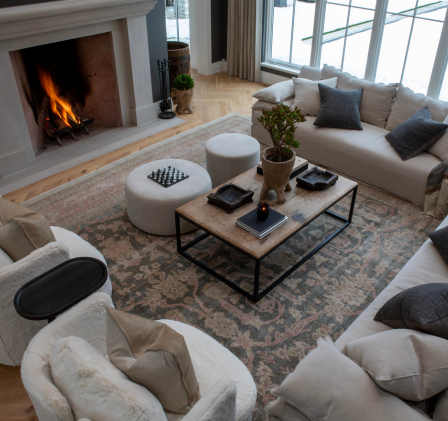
(261,229)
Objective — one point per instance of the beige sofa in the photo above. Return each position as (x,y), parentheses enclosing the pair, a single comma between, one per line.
(426,266)
(365,155)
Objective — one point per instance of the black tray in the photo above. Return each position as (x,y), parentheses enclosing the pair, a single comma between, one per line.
(230,197)
(316,179)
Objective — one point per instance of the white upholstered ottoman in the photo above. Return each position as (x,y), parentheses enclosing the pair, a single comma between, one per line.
(229,155)
(151,206)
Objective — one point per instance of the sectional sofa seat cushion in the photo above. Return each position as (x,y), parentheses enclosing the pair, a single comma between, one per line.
(155,356)
(276,93)
(23,231)
(326,385)
(377,98)
(416,134)
(440,148)
(423,308)
(307,96)
(281,410)
(440,239)
(339,109)
(426,266)
(409,364)
(95,388)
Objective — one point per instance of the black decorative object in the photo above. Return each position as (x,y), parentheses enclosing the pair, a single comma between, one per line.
(262,211)
(55,291)
(165,89)
(168,176)
(316,179)
(230,197)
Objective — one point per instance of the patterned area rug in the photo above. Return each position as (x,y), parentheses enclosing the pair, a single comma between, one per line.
(322,298)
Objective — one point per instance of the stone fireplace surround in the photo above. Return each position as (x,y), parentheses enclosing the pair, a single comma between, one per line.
(28,26)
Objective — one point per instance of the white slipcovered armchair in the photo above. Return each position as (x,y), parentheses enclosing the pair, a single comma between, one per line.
(226,386)
(15,331)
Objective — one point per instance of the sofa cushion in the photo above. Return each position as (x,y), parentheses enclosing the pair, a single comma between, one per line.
(283,411)
(5,260)
(339,109)
(23,231)
(425,266)
(441,408)
(416,134)
(326,385)
(263,105)
(95,388)
(276,93)
(377,98)
(154,355)
(311,73)
(307,96)
(411,365)
(423,308)
(440,148)
(407,102)
(440,239)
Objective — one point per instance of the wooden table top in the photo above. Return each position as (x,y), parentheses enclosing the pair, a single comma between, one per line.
(301,206)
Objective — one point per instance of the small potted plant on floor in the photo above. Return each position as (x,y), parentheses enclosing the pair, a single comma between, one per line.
(278,160)
(183,89)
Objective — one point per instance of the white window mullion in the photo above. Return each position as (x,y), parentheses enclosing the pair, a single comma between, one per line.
(346,31)
(440,63)
(318,33)
(376,39)
(292,30)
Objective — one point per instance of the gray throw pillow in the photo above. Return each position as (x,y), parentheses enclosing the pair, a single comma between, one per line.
(416,134)
(440,240)
(423,308)
(339,109)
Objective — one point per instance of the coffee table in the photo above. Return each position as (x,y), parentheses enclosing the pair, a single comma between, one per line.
(301,208)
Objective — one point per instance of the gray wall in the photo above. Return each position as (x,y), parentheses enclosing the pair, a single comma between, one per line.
(219,29)
(10,3)
(158,48)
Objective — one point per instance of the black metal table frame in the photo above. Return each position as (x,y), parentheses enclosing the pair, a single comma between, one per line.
(256,296)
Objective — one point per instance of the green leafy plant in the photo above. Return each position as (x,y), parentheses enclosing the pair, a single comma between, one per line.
(280,122)
(183,82)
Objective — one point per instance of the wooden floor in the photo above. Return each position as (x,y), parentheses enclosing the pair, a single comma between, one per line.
(215,96)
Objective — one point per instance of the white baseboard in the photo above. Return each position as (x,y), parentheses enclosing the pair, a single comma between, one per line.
(219,66)
(271,78)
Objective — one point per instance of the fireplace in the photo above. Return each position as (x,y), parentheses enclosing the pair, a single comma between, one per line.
(78,66)
(67,89)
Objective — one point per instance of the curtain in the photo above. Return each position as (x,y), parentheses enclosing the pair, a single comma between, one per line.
(244,33)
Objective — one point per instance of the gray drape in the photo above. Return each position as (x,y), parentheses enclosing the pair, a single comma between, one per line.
(244,32)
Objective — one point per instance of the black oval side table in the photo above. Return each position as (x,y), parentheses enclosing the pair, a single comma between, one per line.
(55,291)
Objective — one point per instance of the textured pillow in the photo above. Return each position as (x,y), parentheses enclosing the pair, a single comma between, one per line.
(440,148)
(307,96)
(95,389)
(411,365)
(154,355)
(339,109)
(440,239)
(377,98)
(23,230)
(416,134)
(311,73)
(407,103)
(423,308)
(328,386)
(276,93)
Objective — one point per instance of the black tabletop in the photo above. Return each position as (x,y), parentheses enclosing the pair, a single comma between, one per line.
(55,291)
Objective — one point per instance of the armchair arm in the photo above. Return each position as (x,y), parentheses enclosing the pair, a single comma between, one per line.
(218,404)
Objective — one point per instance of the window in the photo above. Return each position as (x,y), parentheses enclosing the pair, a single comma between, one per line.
(177,20)
(384,41)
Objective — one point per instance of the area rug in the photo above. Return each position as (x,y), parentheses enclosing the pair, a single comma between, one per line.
(322,298)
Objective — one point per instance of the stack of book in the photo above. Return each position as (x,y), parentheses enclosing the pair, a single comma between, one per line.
(261,229)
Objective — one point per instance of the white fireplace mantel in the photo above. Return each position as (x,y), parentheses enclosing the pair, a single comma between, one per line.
(38,24)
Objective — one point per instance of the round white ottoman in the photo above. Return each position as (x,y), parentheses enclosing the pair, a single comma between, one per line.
(151,206)
(229,155)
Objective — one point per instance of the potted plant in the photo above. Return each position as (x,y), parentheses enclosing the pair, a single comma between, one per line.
(278,160)
(183,88)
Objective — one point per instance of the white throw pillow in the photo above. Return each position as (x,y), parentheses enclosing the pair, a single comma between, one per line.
(311,73)
(327,386)
(276,93)
(412,365)
(263,105)
(440,148)
(441,408)
(96,389)
(307,96)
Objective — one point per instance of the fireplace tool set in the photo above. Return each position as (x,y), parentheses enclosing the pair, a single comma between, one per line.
(166,105)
